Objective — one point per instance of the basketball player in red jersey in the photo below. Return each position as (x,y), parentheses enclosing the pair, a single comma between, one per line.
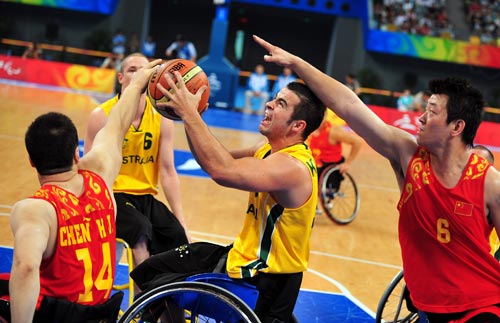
(326,146)
(64,235)
(447,190)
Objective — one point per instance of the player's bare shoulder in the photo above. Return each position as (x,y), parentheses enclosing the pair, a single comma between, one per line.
(492,188)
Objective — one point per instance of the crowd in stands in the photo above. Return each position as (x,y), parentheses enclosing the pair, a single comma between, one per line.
(420,17)
(483,17)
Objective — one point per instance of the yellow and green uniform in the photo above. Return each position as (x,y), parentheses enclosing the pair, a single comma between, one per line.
(139,171)
(275,239)
(139,213)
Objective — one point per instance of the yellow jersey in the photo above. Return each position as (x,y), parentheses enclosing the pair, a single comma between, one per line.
(275,239)
(139,171)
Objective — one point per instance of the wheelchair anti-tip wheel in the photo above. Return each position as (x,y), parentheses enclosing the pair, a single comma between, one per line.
(393,307)
(202,302)
(338,195)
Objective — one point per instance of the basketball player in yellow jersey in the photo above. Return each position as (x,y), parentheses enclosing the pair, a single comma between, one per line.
(272,249)
(144,222)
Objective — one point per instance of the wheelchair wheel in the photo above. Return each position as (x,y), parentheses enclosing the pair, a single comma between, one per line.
(201,302)
(338,195)
(4,311)
(392,307)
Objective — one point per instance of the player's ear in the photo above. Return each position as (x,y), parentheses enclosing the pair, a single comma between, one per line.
(299,125)
(76,157)
(458,126)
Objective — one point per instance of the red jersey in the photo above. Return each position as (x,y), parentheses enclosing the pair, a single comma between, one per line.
(323,151)
(444,237)
(82,268)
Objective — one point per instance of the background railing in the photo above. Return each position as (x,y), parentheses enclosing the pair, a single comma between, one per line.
(370,95)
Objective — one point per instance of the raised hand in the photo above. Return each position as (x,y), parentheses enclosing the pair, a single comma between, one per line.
(179,98)
(141,77)
(276,54)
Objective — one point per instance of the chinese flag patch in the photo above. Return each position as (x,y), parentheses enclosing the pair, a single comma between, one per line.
(462,208)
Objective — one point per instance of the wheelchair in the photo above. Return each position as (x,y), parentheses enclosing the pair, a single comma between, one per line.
(394,305)
(338,195)
(211,297)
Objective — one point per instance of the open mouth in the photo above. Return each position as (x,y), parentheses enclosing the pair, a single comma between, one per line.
(266,119)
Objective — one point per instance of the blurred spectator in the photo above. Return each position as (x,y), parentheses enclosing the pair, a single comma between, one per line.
(420,101)
(352,83)
(405,101)
(283,79)
(483,18)
(257,86)
(421,17)
(149,47)
(487,37)
(118,42)
(33,51)
(112,61)
(181,48)
(133,44)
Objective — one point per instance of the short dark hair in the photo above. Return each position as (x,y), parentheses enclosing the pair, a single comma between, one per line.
(464,102)
(310,108)
(51,141)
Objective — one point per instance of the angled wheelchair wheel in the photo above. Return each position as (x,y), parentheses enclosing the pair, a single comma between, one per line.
(393,306)
(201,302)
(338,195)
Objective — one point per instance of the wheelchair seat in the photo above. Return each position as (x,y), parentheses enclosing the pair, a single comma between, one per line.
(246,292)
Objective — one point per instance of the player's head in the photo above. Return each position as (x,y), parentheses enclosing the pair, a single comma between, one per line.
(130,64)
(465,102)
(484,152)
(51,141)
(310,108)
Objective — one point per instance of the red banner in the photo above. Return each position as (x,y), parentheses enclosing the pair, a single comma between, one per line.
(78,77)
(487,133)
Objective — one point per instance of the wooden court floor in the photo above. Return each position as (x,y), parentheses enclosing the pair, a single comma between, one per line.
(358,259)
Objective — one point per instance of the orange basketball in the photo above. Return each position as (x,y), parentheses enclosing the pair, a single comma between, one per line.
(193,76)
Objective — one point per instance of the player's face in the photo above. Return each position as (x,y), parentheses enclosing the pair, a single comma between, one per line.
(278,113)
(129,67)
(433,129)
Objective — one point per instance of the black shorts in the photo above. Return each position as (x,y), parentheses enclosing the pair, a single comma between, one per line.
(277,292)
(144,215)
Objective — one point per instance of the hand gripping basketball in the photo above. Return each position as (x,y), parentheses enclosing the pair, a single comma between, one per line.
(193,76)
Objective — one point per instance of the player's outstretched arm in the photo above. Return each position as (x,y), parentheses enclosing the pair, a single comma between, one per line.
(335,95)
(105,156)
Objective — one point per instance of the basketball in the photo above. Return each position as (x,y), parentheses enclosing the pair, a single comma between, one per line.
(192,74)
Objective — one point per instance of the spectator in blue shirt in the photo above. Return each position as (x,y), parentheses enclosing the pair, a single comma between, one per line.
(283,79)
(257,86)
(405,101)
(181,48)
(119,40)
(149,47)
